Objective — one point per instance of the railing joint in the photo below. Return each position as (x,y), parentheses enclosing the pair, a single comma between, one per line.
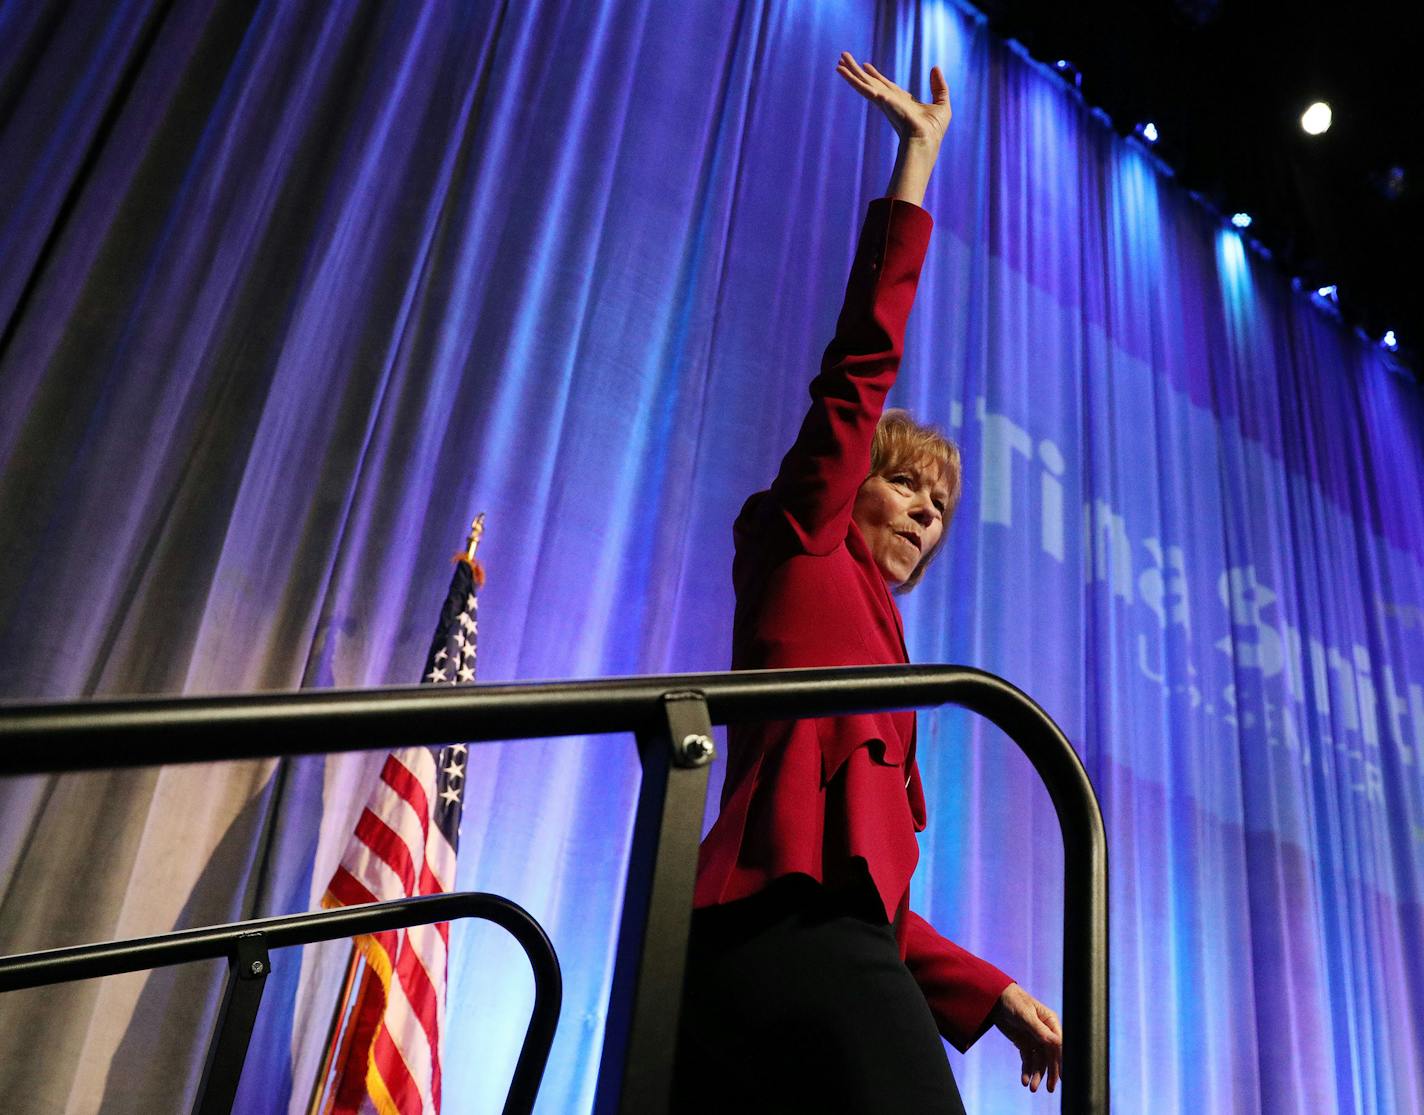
(689,728)
(250,958)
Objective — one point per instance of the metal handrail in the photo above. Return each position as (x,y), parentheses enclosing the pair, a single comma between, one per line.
(147,731)
(245,945)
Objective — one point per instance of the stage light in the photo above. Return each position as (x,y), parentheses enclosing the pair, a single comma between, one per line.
(1316,119)
(1241,220)
(1389,342)
(1148,131)
(1069,72)
(1327,298)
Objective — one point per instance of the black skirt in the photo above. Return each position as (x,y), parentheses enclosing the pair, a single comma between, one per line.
(796,1000)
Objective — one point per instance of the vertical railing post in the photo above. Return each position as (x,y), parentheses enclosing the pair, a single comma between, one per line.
(1085,883)
(635,1075)
(247,968)
(1085,973)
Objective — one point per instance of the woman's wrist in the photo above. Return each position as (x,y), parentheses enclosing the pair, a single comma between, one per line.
(926,146)
(914,162)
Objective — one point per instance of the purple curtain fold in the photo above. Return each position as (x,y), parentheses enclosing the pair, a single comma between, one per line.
(290,290)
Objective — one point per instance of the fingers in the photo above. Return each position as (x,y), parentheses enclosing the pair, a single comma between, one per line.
(1036,1031)
(1033,1066)
(878,76)
(908,115)
(856,77)
(848,61)
(852,69)
(1053,1056)
(1040,1064)
(939,88)
(1050,1032)
(888,88)
(867,78)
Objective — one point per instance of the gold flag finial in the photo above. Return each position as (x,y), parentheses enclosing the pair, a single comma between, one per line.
(477,528)
(477,571)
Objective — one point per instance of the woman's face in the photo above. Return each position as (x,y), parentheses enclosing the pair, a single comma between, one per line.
(901,514)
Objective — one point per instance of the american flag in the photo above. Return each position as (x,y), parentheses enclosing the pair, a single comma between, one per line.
(404,845)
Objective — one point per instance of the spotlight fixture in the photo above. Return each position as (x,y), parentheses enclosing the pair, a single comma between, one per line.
(1389,342)
(1241,220)
(1316,119)
(1069,72)
(1327,298)
(1148,131)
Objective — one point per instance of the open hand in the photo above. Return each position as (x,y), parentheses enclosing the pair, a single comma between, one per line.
(1035,1030)
(912,120)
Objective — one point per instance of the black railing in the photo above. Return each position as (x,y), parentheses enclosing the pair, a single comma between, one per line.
(246,944)
(671,717)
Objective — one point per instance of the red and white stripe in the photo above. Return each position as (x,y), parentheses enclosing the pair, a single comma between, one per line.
(397,851)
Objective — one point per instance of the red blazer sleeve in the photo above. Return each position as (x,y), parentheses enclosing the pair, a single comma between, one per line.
(960,988)
(819,476)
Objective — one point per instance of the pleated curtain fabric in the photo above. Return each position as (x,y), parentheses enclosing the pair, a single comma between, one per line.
(288,288)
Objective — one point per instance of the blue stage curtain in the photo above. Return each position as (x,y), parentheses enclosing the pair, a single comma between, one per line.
(289,290)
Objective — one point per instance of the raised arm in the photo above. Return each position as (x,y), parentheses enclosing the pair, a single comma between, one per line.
(816,485)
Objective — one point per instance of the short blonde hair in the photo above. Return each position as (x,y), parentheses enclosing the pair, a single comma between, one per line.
(901,442)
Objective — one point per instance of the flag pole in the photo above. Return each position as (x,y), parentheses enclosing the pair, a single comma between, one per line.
(477,529)
(343,1002)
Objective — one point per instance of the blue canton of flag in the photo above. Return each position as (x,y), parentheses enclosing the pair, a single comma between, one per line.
(451,661)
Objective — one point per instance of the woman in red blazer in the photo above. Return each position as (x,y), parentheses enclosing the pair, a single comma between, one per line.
(811,985)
